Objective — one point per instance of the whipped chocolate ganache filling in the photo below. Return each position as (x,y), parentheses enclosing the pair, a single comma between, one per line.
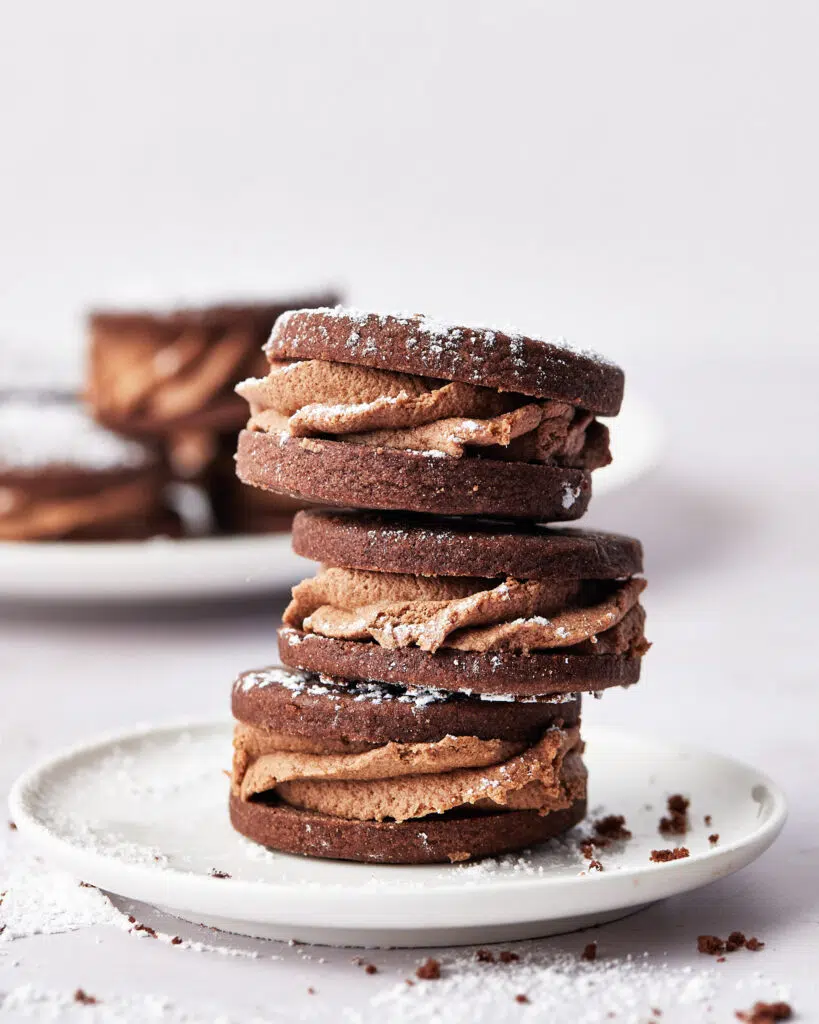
(386,409)
(469,614)
(402,781)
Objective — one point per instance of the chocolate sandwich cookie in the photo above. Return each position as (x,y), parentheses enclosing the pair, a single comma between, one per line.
(170,374)
(64,477)
(385,774)
(404,412)
(466,605)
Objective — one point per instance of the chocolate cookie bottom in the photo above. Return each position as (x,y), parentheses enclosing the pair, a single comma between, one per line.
(340,473)
(437,839)
(504,672)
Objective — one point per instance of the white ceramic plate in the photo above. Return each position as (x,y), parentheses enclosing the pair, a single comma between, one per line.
(144,815)
(157,569)
(234,566)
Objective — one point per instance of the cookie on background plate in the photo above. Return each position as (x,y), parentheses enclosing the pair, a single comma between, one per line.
(384,774)
(64,477)
(170,373)
(239,509)
(465,605)
(399,411)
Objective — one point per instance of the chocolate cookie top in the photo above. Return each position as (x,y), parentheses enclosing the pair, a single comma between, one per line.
(318,707)
(500,673)
(430,546)
(45,432)
(499,358)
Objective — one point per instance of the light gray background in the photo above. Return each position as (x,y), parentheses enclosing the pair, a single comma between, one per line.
(638,176)
(631,175)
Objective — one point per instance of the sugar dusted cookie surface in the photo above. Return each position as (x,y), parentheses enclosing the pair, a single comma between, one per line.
(400,411)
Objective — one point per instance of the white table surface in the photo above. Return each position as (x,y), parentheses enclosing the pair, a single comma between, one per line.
(729,526)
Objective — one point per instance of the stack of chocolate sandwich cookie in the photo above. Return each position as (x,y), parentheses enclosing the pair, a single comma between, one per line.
(429,705)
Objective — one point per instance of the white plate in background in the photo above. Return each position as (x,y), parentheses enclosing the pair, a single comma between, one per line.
(240,566)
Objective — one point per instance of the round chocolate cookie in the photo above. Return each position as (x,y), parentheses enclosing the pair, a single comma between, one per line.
(417,344)
(435,546)
(341,473)
(499,672)
(304,704)
(445,838)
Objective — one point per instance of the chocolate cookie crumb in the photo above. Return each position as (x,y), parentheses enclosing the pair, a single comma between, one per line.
(176,940)
(370,969)
(506,956)
(656,1012)
(664,856)
(595,865)
(713,839)
(736,940)
(613,826)
(521,998)
(430,970)
(710,944)
(87,885)
(589,952)
(707,819)
(218,874)
(754,944)
(721,959)
(766,1013)
(81,996)
(12,826)
(408,981)
(587,849)
(676,823)
(145,928)
(485,956)
(311,991)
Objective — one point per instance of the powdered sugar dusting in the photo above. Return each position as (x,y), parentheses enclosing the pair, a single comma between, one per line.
(298,682)
(36,432)
(440,331)
(42,902)
(30,1002)
(440,338)
(570,496)
(558,987)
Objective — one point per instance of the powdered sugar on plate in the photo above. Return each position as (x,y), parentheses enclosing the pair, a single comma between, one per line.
(41,431)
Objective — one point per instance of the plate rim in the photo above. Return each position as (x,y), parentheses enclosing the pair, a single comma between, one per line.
(72,557)
(159,570)
(180,890)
